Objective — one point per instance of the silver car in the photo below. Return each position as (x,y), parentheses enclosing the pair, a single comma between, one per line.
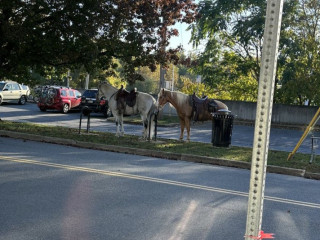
(11,91)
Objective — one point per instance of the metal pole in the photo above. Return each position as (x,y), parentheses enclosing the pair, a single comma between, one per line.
(155,126)
(314,144)
(149,127)
(263,118)
(88,122)
(80,121)
(312,149)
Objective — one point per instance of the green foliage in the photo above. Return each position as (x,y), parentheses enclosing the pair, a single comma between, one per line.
(69,35)
(190,87)
(233,35)
(243,89)
(150,84)
(299,60)
(232,31)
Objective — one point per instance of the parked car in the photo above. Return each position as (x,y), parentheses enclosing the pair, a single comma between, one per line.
(59,98)
(90,103)
(11,91)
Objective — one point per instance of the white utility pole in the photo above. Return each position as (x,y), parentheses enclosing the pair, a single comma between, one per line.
(68,78)
(172,84)
(263,118)
(87,81)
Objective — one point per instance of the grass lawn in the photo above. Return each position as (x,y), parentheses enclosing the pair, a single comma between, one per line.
(276,158)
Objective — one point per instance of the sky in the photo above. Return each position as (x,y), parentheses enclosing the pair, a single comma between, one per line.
(183,38)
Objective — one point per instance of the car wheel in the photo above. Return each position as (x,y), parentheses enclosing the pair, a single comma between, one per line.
(43,109)
(22,100)
(65,108)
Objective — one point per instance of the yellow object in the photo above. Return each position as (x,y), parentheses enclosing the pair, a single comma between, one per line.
(310,126)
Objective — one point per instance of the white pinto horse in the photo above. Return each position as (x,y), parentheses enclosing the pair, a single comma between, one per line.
(145,106)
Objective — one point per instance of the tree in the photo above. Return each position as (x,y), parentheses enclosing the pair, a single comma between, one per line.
(229,28)
(151,80)
(38,34)
(299,74)
(232,32)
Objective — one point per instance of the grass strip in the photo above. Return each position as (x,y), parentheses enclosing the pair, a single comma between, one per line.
(275,158)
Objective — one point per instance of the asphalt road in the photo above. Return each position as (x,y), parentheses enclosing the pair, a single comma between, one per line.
(50,191)
(280,139)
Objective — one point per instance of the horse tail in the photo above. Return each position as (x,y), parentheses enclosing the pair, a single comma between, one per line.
(151,121)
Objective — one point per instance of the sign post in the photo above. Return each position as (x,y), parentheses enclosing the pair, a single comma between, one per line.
(263,119)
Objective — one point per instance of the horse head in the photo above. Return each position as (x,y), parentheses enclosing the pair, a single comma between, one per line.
(106,90)
(100,93)
(162,98)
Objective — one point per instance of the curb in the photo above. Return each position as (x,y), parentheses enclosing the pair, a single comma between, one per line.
(158,154)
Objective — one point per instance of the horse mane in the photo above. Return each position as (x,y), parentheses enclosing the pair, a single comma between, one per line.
(175,92)
(180,97)
(107,83)
(178,92)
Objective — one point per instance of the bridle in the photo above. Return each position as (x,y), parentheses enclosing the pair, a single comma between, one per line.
(160,107)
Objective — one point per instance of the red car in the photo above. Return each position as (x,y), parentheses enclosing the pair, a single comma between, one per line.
(59,98)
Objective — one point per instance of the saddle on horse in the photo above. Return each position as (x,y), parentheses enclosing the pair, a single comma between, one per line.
(202,106)
(124,97)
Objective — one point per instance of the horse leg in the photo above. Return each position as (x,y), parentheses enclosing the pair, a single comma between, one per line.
(187,122)
(145,127)
(121,124)
(181,129)
(117,124)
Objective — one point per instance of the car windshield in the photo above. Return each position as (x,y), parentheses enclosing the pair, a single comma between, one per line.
(2,85)
(90,94)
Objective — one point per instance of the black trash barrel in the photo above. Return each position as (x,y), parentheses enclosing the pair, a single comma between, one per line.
(222,124)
